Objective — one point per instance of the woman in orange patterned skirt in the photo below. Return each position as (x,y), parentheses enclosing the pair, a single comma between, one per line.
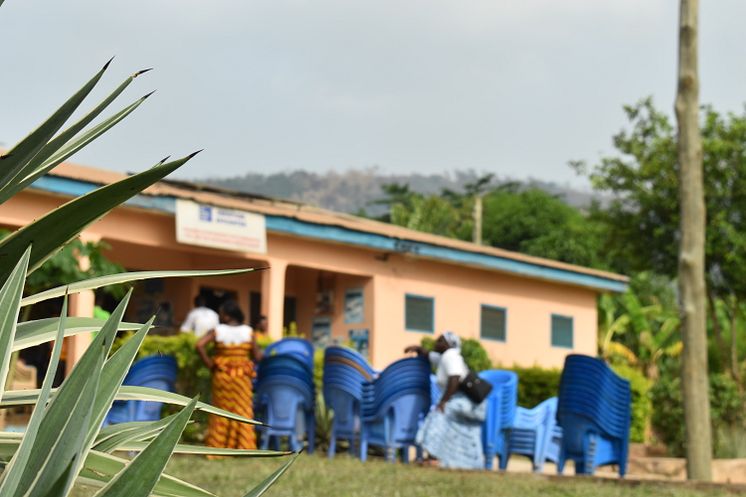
(232,374)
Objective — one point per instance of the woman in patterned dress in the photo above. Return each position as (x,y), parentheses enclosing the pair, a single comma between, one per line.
(232,369)
(452,432)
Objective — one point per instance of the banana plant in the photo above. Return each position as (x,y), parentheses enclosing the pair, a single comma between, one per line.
(64,444)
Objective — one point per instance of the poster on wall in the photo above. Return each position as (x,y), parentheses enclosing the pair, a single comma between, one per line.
(360,341)
(217,227)
(354,306)
(321,332)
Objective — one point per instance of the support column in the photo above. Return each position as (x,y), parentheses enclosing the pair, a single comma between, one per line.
(80,305)
(273,296)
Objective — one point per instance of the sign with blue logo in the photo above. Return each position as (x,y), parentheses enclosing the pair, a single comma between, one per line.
(218,227)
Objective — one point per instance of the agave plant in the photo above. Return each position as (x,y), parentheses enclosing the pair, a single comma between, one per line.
(64,443)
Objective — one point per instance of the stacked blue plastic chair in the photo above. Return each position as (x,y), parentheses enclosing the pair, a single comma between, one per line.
(301,348)
(154,372)
(501,408)
(345,372)
(535,434)
(594,410)
(394,406)
(435,393)
(284,390)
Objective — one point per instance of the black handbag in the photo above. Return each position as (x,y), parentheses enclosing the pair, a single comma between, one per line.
(475,387)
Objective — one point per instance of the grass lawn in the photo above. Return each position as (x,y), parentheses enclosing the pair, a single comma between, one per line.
(314,475)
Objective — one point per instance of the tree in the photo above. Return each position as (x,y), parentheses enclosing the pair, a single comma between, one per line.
(534,222)
(642,220)
(692,252)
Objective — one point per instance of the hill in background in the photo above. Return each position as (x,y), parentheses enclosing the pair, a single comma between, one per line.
(357,189)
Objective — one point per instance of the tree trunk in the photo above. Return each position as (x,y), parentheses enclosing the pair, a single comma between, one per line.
(692,292)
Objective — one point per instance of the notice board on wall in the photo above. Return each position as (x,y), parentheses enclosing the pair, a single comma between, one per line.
(217,227)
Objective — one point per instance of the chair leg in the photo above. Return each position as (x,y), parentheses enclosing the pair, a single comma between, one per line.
(265,441)
(332,445)
(275,442)
(363,446)
(311,432)
(488,461)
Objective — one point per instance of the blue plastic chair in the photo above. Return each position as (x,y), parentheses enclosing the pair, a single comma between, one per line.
(345,372)
(280,402)
(535,434)
(299,347)
(594,412)
(501,407)
(394,406)
(435,393)
(155,372)
(284,396)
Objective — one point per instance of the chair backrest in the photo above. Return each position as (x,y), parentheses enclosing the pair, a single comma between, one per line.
(154,371)
(435,393)
(299,347)
(281,400)
(503,399)
(543,413)
(590,389)
(405,376)
(346,407)
(284,366)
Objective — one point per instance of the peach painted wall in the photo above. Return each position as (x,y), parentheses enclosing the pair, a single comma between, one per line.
(459,292)
(146,240)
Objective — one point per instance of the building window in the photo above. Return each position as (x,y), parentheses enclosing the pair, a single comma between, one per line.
(419,313)
(562,331)
(493,323)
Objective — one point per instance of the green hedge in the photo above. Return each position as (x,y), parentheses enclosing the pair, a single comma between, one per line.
(726,410)
(536,384)
(642,407)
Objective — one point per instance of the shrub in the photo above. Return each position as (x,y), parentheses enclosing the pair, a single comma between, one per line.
(726,410)
(641,404)
(536,384)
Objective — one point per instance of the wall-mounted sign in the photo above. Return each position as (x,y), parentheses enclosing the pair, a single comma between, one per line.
(354,306)
(216,227)
(360,340)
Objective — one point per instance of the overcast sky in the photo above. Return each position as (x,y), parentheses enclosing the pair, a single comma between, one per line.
(514,87)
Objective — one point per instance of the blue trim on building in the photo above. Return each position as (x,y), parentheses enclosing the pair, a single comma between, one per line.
(291,226)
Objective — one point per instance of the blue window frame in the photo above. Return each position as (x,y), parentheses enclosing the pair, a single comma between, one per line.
(493,323)
(562,331)
(419,313)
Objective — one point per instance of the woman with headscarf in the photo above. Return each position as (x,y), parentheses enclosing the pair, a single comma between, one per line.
(452,431)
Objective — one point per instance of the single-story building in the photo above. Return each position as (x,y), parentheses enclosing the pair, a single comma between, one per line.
(334,277)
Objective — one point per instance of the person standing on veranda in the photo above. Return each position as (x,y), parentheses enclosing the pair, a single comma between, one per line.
(201,319)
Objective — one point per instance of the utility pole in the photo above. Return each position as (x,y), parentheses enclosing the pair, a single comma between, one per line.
(477,234)
(692,290)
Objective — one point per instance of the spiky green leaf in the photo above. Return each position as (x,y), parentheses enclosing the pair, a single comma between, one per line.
(49,233)
(31,333)
(116,279)
(271,479)
(10,298)
(14,161)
